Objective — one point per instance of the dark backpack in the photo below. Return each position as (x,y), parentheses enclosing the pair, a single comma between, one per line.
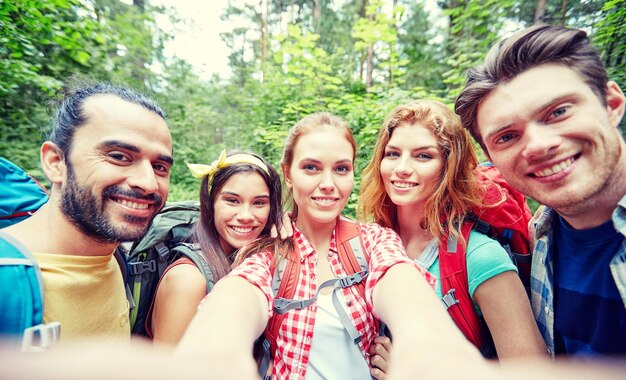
(20,194)
(508,224)
(164,242)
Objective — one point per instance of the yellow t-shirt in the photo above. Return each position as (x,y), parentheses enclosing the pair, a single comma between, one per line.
(86,294)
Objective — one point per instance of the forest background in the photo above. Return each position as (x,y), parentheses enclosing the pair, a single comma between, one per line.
(288,58)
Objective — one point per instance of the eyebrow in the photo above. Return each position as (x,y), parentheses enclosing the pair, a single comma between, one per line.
(537,110)
(319,162)
(239,195)
(412,149)
(135,149)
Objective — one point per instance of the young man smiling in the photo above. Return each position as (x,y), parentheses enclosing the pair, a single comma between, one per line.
(546,114)
(108,160)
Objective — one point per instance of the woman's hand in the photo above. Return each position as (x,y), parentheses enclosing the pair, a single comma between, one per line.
(380,352)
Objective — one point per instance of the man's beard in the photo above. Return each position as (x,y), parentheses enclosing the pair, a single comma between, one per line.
(85,212)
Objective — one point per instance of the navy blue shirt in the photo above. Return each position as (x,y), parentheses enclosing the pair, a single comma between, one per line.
(589,315)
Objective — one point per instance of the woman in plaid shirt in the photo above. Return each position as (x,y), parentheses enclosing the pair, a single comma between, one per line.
(318,168)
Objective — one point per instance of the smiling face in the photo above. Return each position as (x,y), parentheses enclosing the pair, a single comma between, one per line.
(321,175)
(117,170)
(241,210)
(411,166)
(552,138)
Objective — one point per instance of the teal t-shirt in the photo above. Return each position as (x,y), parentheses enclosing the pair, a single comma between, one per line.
(485,259)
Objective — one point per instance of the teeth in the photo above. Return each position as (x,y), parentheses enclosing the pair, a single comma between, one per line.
(242,230)
(325,200)
(404,185)
(555,168)
(135,205)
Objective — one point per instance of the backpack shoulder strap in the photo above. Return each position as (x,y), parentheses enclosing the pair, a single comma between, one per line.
(454,286)
(193,253)
(351,250)
(23,301)
(122,260)
(284,283)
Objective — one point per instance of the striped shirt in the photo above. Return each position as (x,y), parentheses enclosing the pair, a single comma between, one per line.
(542,274)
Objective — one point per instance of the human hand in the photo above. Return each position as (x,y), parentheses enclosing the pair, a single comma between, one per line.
(531,226)
(286,230)
(380,353)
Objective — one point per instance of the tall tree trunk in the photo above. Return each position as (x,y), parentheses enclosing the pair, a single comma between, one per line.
(317,15)
(392,46)
(563,12)
(369,58)
(139,64)
(370,66)
(540,11)
(263,34)
(362,55)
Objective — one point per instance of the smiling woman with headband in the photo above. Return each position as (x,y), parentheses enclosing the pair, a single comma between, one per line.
(240,200)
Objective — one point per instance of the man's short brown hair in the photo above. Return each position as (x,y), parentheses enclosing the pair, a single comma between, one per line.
(529,48)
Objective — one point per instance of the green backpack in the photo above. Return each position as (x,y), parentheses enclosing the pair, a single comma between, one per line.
(165,241)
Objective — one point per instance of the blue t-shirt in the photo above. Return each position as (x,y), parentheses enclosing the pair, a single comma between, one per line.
(589,315)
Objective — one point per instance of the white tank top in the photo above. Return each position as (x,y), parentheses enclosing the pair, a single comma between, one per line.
(333,354)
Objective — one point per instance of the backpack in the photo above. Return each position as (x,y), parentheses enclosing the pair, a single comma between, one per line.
(20,194)
(508,224)
(21,303)
(352,257)
(164,242)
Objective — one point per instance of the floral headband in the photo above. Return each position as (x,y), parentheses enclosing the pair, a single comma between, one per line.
(201,170)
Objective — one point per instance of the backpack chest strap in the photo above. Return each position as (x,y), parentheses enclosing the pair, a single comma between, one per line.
(282,305)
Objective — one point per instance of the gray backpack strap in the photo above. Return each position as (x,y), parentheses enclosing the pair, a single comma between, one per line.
(355,244)
(282,305)
(278,274)
(429,255)
(193,253)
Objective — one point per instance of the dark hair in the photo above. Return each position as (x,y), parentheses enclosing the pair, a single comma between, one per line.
(204,231)
(70,114)
(529,48)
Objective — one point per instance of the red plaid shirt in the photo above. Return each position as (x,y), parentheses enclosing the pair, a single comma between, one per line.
(294,339)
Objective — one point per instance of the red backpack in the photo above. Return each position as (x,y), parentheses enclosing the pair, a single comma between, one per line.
(508,224)
(352,257)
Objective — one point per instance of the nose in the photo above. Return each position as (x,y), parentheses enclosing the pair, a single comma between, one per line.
(539,142)
(245,214)
(402,168)
(326,182)
(143,177)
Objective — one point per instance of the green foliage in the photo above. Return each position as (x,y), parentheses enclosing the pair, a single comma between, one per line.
(309,64)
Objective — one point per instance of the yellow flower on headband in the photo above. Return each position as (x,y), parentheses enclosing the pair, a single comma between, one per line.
(201,170)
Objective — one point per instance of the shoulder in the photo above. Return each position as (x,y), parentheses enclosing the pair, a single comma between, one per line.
(183,277)
(373,229)
(485,255)
(478,240)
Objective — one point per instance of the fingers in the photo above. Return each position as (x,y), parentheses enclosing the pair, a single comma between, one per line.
(379,360)
(385,342)
(378,374)
(286,230)
(273,232)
